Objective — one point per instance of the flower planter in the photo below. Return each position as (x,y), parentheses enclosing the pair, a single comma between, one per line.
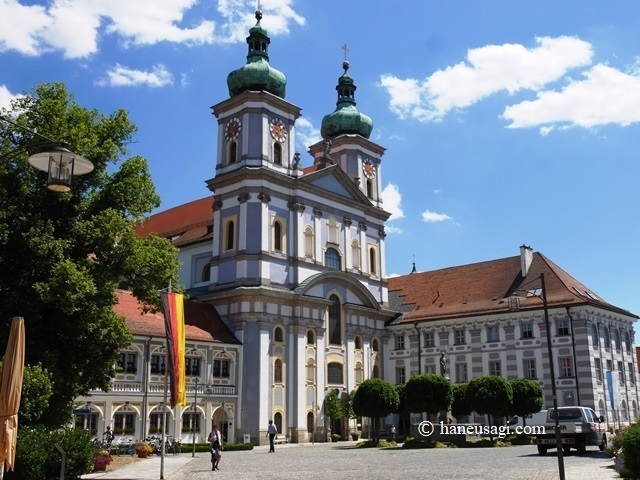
(99,467)
(143,454)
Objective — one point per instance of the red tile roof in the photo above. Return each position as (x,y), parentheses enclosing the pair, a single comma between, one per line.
(202,322)
(483,288)
(187,223)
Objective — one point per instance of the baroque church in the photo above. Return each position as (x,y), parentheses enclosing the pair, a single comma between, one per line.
(285,268)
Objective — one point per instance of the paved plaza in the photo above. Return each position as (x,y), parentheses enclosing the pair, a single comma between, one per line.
(341,461)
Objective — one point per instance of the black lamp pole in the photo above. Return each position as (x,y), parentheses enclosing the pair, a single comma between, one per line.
(554,395)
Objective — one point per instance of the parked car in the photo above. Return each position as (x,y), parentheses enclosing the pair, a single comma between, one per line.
(579,427)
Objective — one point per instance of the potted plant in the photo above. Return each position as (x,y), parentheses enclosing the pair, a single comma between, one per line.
(143,449)
(102,459)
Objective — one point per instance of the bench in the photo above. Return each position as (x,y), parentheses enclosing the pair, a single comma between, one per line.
(280,439)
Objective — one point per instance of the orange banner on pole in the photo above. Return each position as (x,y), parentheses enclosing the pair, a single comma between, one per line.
(173,304)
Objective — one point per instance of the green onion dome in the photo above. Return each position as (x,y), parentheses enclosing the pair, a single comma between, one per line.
(257,74)
(346,118)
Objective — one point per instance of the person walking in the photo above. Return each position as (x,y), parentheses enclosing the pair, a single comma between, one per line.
(215,446)
(272,431)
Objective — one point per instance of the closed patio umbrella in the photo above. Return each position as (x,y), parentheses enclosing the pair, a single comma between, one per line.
(10,391)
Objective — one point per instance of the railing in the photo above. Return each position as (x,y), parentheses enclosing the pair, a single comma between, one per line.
(158,387)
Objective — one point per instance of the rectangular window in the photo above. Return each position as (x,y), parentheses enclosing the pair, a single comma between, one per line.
(632,377)
(400,375)
(221,368)
(192,366)
(429,341)
(563,327)
(127,363)
(526,330)
(566,367)
(429,369)
(530,369)
(609,366)
(335,373)
(493,333)
(399,342)
(461,372)
(190,422)
(620,373)
(459,337)
(158,364)
(123,423)
(494,369)
(598,366)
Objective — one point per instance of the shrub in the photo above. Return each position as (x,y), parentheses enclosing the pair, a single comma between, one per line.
(38,459)
(419,443)
(355,436)
(335,437)
(204,447)
(631,452)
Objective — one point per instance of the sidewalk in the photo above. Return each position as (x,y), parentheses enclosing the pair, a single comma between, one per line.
(147,469)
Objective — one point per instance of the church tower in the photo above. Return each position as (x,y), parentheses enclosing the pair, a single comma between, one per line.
(297,266)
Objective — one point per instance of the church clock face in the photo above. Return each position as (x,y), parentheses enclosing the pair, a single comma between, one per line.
(368,168)
(232,129)
(278,130)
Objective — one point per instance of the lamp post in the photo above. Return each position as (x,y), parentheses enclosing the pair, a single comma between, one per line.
(554,395)
(195,406)
(57,160)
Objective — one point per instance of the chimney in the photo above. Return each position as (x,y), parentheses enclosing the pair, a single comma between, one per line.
(526,257)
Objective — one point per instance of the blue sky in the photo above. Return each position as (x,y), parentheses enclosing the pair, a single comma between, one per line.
(505,122)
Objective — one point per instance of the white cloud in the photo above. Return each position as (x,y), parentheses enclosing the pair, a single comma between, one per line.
(74,26)
(120,76)
(605,96)
(391,200)
(392,229)
(306,134)
(6,97)
(487,70)
(433,217)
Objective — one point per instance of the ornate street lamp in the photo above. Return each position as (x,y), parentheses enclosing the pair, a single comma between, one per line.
(52,157)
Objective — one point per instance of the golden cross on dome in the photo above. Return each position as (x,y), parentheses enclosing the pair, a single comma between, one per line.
(346,49)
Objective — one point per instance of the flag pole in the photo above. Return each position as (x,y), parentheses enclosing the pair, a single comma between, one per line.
(164,405)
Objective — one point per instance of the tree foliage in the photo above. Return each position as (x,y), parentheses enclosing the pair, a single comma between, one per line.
(333,407)
(429,393)
(375,398)
(489,395)
(528,397)
(460,406)
(62,255)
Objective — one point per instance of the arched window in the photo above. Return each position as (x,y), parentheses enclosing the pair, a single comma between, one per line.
(355,254)
(335,323)
(277,371)
(335,375)
(357,342)
(205,274)
(229,235)
(332,259)
(309,242)
(369,188)
(376,371)
(277,153)
(373,261)
(607,339)
(311,338)
(616,339)
(375,346)
(595,340)
(310,422)
(278,235)
(233,152)
(278,335)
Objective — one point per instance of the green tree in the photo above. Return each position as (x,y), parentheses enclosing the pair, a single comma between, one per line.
(403,409)
(375,399)
(460,406)
(528,398)
(429,393)
(490,395)
(333,408)
(62,255)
